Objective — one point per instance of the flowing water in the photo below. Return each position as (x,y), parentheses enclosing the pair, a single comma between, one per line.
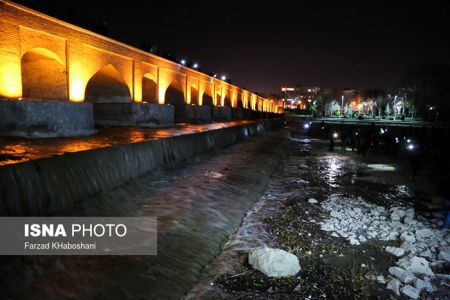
(198,206)
(16,149)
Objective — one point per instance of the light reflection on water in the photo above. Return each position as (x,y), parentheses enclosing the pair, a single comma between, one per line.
(332,168)
(15,150)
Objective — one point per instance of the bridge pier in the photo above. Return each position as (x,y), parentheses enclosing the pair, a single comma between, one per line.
(39,118)
(130,114)
(222,113)
(198,114)
(237,114)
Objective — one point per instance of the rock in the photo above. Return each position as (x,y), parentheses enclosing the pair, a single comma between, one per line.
(409,247)
(415,264)
(274,262)
(437,264)
(410,291)
(362,239)
(405,276)
(423,285)
(395,251)
(381,279)
(395,216)
(427,253)
(424,233)
(407,237)
(409,213)
(312,200)
(336,214)
(354,241)
(409,221)
(394,286)
(444,254)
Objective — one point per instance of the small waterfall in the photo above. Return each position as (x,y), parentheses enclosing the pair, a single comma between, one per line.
(52,185)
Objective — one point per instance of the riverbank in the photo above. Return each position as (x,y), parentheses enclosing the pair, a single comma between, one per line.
(334,264)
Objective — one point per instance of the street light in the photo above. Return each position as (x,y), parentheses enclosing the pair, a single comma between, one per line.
(195,66)
(183,62)
(223,77)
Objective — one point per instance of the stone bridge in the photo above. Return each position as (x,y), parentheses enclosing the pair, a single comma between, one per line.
(43,58)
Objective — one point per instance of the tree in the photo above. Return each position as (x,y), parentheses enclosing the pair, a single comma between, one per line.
(378,99)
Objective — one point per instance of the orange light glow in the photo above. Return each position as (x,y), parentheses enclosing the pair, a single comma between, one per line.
(10,78)
(76,84)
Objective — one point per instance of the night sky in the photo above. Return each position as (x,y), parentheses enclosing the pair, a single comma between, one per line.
(343,44)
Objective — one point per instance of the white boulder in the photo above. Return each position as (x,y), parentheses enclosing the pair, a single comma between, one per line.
(427,253)
(395,251)
(415,264)
(423,285)
(403,275)
(394,286)
(408,237)
(424,233)
(410,291)
(274,262)
(409,213)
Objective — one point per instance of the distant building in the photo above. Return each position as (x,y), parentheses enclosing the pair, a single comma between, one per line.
(294,96)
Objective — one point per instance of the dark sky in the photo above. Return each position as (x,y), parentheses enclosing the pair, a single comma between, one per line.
(260,46)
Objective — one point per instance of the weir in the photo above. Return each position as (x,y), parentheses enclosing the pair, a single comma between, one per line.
(50,185)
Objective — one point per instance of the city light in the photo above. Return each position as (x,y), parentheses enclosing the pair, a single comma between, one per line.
(195,66)
(183,62)
(335,135)
(306,125)
(410,147)
(223,77)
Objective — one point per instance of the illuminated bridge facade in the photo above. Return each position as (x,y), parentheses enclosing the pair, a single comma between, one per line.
(44,58)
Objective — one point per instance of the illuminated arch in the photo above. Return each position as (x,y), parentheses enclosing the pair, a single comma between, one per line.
(226,98)
(174,95)
(240,104)
(43,75)
(149,89)
(207,97)
(107,86)
(194,95)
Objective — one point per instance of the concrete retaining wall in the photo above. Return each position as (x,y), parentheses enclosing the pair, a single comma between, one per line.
(44,186)
(126,114)
(33,118)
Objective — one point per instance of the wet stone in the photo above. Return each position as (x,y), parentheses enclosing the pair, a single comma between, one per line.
(423,285)
(402,274)
(416,265)
(410,291)
(394,285)
(395,251)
